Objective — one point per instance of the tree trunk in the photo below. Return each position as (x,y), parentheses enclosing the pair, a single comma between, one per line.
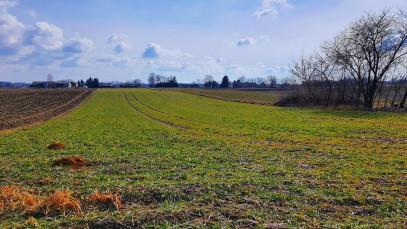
(403,101)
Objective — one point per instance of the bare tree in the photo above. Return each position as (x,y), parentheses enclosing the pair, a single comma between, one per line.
(137,82)
(208,78)
(325,71)
(50,77)
(242,79)
(403,84)
(151,79)
(287,81)
(369,49)
(304,72)
(272,81)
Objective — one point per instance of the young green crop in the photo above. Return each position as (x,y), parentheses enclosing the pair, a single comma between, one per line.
(182,159)
(253,97)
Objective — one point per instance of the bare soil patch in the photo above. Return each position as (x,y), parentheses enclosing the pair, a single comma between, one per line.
(20,107)
(56,145)
(73,161)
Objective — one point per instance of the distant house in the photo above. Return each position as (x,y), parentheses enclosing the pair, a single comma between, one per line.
(6,84)
(57,84)
(106,85)
(39,84)
(239,84)
(51,84)
(73,84)
(21,85)
(129,85)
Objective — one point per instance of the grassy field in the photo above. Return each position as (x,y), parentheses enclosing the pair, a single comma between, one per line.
(179,160)
(253,97)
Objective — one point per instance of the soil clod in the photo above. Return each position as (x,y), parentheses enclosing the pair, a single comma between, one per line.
(73,161)
(56,145)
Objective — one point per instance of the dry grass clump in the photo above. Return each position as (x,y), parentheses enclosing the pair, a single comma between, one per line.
(31,221)
(74,161)
(12,198)
(47,180)
(104,200)
(9,197)
(62,201)
(2,205)
(56,145)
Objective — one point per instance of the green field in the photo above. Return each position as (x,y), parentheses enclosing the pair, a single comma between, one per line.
(252,97)
(178,159)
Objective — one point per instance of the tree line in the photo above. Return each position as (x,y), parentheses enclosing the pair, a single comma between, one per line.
(156,80)
(241,82)
(364,65)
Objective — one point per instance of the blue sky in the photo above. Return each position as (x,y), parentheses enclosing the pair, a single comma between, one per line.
(128,39)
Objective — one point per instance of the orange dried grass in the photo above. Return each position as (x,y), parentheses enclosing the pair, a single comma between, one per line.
(9,197)
(31,203)
(56,145)
(31,221)
(104,200)
(12,198)
(62,201)
(47,180)
(74,161)
(2,205)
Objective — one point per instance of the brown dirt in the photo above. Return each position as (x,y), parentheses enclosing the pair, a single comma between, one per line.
(22,107)
(73,161)
(56,145)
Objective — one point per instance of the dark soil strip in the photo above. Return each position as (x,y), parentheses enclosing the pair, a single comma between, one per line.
(152,118)
(229,100)
(47,115)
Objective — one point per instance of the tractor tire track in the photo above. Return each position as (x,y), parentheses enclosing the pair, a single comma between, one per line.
(175,116)
(152,118)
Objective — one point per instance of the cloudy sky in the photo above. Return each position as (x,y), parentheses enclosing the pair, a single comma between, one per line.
(128,39)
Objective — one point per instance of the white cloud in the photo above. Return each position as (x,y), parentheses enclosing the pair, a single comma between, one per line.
(246,42)
(78,45)
(31,13)
(40,44)
(7,4)
(269,7)
(168,65)
(214,60)
(251,41)
(106,58)
(74,62)
(119,43)
(44,36)
(155,51)
(10,30)
(264,39)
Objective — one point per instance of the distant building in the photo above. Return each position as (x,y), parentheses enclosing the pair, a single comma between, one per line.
(238,84)
(73,84)
(39,84)
(51,84)
(21,85)
(106,85)
(129,85)
(6,84)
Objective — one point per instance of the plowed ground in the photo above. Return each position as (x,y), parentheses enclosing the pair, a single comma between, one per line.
(20,107)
